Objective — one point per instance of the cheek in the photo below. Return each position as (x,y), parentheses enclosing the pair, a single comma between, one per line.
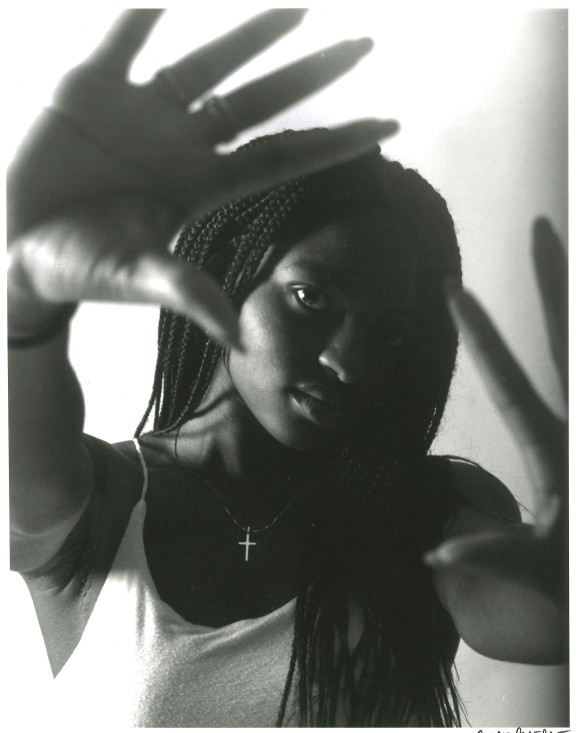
(261,327)
(273,347)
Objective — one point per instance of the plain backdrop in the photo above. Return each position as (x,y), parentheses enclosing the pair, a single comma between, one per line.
(481,94)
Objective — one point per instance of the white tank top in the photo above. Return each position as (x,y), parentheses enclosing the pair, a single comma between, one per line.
(140,664)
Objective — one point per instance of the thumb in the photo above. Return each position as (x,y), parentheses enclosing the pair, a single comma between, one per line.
(512,554)
(184,288)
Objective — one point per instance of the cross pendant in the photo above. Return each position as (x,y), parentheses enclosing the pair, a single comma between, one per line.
(247,544)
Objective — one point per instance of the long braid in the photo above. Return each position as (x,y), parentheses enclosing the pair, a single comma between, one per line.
(378,476)
(157,381)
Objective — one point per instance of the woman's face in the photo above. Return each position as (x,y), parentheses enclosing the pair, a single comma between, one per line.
(323,331)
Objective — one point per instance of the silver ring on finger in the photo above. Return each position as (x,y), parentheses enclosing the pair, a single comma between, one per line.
(169,86)
(217,120)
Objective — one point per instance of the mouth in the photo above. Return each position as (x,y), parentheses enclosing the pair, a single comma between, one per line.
(314,405)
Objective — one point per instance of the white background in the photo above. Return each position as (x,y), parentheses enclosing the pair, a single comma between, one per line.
(481,93)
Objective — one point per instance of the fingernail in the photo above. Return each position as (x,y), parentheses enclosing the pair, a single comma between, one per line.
(429,558)
(344,50)
(433,559)
(440,556)
(230,338)
(238,344)
(363,45)
(382,128)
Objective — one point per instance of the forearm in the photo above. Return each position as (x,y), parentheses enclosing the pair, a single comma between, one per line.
(46,415)
(48,466)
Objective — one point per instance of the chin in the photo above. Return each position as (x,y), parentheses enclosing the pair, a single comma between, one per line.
(300,427)
(308,438)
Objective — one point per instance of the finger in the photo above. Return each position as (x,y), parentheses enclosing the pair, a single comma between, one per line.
(551,265)
(157,278)
(515,555)
(203,69)
(482,549)
(265,97)
(547,516)
(119,47)
(183,288)
(527,417)
(289,157)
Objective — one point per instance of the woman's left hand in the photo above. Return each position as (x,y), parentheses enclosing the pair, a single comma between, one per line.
(534,555)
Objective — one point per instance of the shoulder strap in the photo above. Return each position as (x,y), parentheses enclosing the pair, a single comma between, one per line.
(144,467)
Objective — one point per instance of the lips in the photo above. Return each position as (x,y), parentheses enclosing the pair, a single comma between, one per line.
(332,397)
(318,411)
(324,406)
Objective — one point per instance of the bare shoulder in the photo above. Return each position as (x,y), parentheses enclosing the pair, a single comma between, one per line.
(157,449)
(36,545)
(483,493)
(119,479)
(65,589)
(116,483)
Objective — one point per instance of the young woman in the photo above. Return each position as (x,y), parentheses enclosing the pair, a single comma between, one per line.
(258,557)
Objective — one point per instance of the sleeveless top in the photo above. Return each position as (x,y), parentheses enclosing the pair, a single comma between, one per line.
(140,664)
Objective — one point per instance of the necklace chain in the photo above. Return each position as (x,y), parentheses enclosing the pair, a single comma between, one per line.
(248,530)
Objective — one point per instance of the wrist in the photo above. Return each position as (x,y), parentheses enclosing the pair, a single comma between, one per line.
(43,332)
(32,319)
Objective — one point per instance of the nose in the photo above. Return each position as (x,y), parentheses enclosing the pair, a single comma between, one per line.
(344,353)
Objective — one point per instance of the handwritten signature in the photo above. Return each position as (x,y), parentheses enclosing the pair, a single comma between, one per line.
(530,730)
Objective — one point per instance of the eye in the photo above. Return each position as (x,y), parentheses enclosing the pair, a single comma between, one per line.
(312,298)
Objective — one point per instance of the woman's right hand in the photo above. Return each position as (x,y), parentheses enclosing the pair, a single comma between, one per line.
(116,251)
(110,172)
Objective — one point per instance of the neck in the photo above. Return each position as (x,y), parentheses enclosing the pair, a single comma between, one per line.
(226,445)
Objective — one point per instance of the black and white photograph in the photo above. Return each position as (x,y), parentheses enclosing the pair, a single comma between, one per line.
(287,366)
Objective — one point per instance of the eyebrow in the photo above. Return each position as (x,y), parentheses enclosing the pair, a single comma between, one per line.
(331,276)
(321,270)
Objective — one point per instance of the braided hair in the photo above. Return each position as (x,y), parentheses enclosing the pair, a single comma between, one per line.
(384,492)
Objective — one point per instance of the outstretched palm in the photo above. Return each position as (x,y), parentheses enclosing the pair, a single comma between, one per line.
(111,170)
(104,134)
(533,554)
